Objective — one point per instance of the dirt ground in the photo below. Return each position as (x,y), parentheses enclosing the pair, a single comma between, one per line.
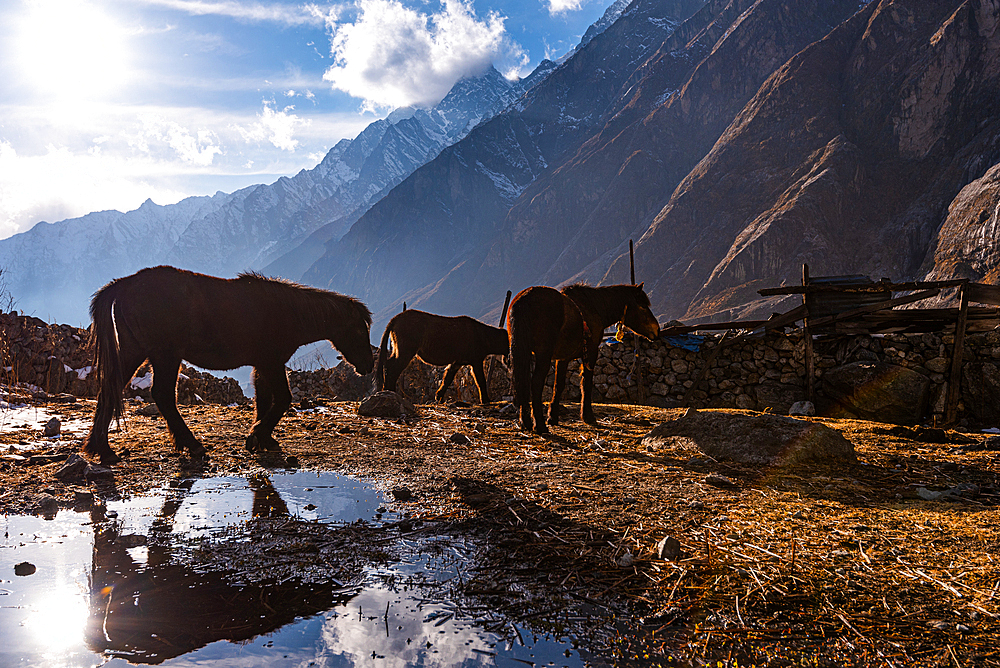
(838,566)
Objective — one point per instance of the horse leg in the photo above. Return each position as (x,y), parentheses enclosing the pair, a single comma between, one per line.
(481,383)
(164,391)
(587,391)
(542,363)
(557,389)
(449,375)
(394,366)
(96,442)
(263,397)
(281,398)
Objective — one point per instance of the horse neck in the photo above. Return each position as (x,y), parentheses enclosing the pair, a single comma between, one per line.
(319,322)
(608,305)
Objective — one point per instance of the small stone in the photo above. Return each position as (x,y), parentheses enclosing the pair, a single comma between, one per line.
(540,487)
(292,462)
(401,494)
(97,473)
(309,506)
(148,410)
(52,428)
(626,560)
(83,497)
(46,505)
(720,481)
(72,470)
(668,548)
(24,568)
(806,408)
(696,505)
(459,438)
(798,515)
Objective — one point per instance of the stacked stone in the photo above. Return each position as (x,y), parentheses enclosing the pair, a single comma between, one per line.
(52,358)
(341,383)
(57,359)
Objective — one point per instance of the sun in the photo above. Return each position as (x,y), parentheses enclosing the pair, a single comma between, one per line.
(71,49)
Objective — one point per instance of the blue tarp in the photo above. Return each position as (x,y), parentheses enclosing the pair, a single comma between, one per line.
(690,342)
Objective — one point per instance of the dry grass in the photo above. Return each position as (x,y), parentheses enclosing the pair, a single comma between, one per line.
(839,566)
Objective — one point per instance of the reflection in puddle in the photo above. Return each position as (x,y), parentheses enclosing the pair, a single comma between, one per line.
(295,569)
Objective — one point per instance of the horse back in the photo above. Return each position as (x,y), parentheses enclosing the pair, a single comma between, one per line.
(211,322)
(545,319)
(441,340)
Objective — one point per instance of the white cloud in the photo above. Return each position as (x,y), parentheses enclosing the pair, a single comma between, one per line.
(563,6)
(395,56)
(286,14)
(198,149)
(56,165)
(59,183)
(276,127)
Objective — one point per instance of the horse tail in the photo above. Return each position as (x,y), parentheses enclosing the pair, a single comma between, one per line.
(107,356)
(520,354)
(383,354)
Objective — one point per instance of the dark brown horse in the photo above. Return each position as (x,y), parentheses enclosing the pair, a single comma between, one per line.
(167,315)
(546,324)
(438,340)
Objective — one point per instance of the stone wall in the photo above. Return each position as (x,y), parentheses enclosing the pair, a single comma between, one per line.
(757,374)
(48,359)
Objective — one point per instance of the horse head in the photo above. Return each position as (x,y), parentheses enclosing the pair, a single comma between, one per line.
(639,317)
(351,338)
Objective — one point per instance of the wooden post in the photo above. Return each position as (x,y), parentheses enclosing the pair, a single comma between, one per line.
(404,306)
(808,340)
(631,262)
(957,354)
(503,315)
(503,320)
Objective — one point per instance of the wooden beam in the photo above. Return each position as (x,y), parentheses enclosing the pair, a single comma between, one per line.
(980,293)
(808,339)
(957,354)
(870,308)
(863,287)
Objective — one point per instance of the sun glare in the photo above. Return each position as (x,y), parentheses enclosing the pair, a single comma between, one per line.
(71,49)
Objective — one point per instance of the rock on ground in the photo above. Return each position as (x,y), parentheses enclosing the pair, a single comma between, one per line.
(759,440)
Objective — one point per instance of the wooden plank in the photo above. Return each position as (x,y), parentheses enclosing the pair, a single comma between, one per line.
(783,320)
(955,379)
(807,337)
(864,287)
(880,306)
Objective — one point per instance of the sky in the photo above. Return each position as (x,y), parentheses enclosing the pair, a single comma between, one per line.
(106,103)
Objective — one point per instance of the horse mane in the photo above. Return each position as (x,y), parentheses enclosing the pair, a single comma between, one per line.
(606,297)
(304,299)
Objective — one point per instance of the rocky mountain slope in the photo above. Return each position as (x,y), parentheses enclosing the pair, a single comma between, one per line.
(53,268)
(436,226)
(733,144)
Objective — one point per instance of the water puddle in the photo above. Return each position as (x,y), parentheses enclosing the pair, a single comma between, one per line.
(284,569)
(24,416)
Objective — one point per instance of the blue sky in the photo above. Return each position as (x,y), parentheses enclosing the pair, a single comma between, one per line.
(106,103)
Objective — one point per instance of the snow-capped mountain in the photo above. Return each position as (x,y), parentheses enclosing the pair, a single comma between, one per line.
(733,140)
(53,268)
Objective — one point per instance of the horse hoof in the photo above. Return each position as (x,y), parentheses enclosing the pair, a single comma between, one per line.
(553,421)
(542,430)
(257,443)
(110,459)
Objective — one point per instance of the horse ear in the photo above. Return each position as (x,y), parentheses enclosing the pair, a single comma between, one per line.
(640,285)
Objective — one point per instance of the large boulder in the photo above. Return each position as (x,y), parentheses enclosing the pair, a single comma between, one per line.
(879,391)
(386,404)
(981,392)
(757,440)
